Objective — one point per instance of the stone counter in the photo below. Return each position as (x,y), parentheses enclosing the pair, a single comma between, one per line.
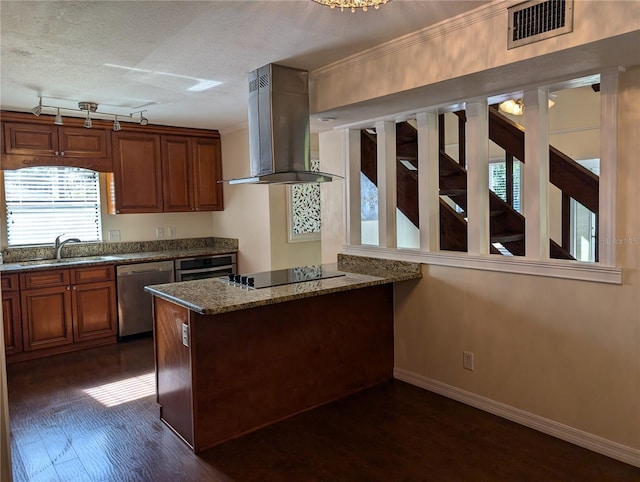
(84,254)
(216,295)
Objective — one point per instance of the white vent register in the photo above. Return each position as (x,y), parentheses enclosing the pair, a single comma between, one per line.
(538,20)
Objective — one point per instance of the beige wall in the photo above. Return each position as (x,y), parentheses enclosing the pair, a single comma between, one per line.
(142,227)
(256,215)
(565,350)
(283,253)
(474,43)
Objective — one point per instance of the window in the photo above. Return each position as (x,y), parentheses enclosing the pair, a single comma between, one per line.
(43,202)
(569,218)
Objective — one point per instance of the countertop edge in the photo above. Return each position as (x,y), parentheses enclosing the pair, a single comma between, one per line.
(270,296)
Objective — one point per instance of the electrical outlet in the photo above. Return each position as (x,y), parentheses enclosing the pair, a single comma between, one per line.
(185,334)
(114,235)
(159,233)
(467,360)
(172,232)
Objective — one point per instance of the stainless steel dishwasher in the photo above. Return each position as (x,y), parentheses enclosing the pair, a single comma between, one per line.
(134,304)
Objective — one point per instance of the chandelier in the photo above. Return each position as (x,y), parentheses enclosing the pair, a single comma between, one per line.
(353,4)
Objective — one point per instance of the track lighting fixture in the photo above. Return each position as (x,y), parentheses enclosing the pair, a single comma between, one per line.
(88,107)
(37,109)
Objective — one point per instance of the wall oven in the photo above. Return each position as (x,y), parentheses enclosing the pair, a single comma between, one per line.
(200,267)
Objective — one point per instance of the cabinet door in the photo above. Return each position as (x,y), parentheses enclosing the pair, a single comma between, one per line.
(46,317)
(137,173)
(207,171)
(12,323)
(94,311)
(177,190)
(30,139)
(81,142)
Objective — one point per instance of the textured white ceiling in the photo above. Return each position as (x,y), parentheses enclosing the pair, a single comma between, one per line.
(132,55)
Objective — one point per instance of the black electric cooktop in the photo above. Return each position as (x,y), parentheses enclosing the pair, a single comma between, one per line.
(279,277)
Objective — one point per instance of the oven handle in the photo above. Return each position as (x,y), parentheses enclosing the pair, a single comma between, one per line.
(213,269)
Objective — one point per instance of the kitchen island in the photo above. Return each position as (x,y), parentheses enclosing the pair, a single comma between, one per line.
(230,360)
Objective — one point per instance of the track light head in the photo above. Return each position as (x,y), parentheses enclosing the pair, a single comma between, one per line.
(143,120)
(37,110)
(87,121)
(58,120)
(116,124)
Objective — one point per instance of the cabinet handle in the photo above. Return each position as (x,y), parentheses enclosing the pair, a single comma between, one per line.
(56,153)
(62,153)
(68,288)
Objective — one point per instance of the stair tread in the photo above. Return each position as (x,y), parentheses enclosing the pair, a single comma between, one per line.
(506,237)
(453,192)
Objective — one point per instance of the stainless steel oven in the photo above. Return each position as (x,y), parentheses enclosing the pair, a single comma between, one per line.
(200,267)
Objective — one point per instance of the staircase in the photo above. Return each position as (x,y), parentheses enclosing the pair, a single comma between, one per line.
(507,225)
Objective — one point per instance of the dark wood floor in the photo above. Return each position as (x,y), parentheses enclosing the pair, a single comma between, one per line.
(393,432)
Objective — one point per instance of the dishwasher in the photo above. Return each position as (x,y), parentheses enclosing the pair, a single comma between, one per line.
(135,313)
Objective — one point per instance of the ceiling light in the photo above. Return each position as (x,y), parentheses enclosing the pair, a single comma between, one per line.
(353,4)
(58,120)
(88,107)
(512,106)
(516,106)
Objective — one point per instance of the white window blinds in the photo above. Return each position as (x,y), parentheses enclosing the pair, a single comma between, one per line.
(43,202)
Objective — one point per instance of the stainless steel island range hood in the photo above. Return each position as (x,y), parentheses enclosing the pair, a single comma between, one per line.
(279,128)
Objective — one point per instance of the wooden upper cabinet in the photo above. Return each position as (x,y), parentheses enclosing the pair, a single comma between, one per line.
(177,173)
(83,142)
(137,173)
(207,169)
(27,144)
(30,139)
(191,169)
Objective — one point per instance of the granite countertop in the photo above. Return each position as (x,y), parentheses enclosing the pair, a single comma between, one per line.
(85,256)
(216,295)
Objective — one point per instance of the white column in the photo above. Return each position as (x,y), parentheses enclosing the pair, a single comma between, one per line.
(353,167)
(428,181)
(608,167)
(387,192)
(536,175)
(478,177)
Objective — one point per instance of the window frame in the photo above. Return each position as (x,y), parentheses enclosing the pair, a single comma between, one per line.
(603,271)
(90,202)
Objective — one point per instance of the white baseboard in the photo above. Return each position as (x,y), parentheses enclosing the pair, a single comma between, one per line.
(564,432)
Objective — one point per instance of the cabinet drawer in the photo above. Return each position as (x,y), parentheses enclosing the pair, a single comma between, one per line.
(92,274)
(44,279)
(9,282)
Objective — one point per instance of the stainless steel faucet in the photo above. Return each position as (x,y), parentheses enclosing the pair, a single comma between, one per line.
(60,244)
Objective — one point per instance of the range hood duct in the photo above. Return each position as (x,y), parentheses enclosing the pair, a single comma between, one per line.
(279,128)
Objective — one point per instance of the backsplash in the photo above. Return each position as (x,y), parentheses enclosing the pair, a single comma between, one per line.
(369,265)
(75,250)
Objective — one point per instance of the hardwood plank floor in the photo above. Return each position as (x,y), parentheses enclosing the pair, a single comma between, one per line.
(393,432)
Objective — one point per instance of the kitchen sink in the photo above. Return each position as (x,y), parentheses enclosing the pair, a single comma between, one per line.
(78,260)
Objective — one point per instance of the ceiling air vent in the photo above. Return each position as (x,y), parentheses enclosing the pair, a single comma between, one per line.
(537,20)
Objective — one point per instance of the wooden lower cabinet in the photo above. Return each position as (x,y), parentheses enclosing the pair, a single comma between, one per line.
(46,317)
(11,315)
(94,310)
(60,310)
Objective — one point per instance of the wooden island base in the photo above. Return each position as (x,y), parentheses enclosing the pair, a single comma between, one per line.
(249,368)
